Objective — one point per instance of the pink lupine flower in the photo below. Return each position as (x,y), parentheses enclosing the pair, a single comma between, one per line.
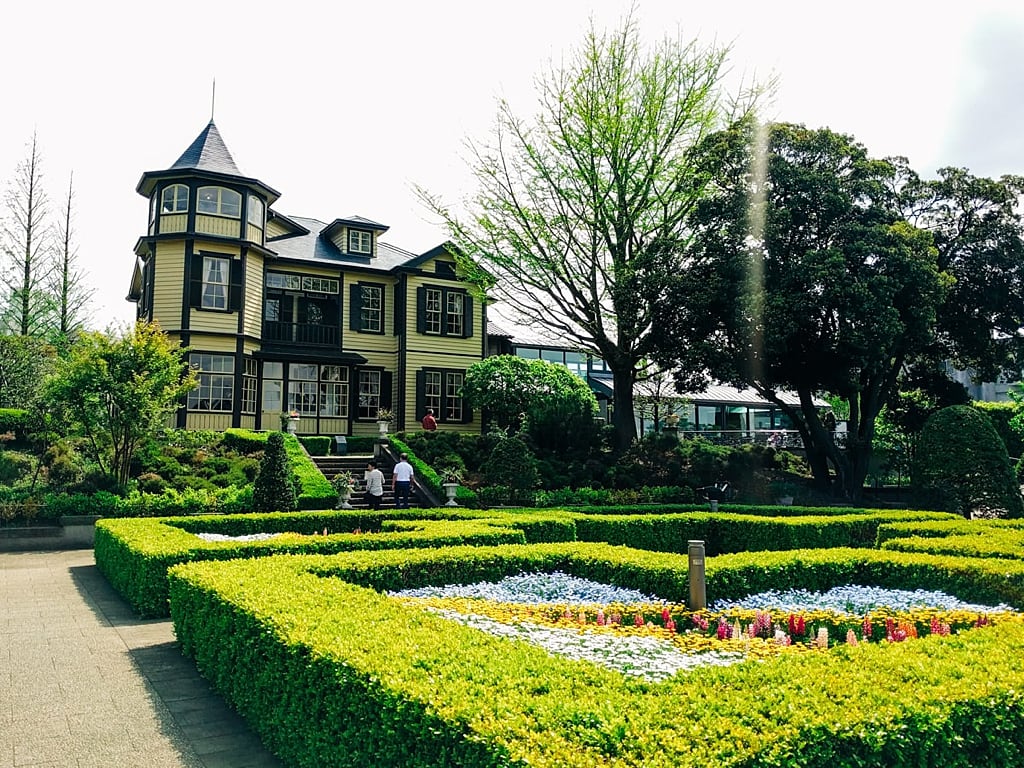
(865,628)
(700,622)
(851,637)
(781,638)
(616,618)
(638,620)
(583,617)
(670,625)
(724,630)
(600,617)
(821,640)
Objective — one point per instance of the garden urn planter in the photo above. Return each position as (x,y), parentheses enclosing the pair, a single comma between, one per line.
(293,424)
(714,505)
(346,500)
(383,426)
(450,489)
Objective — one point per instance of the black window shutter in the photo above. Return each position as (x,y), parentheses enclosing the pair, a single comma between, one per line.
(399,324)
(386,379)
(421,394)
(235,294)
(355,307)
(421,310)
(467,317)
(195,286)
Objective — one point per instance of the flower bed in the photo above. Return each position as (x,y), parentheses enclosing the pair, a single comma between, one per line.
(639,635)
(331,671)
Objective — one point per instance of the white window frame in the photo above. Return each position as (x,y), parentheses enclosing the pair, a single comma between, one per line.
(225,202)
(215,291)
(334,391)
(173,201)
(371,314)
(455,311)
(360,241)
(369,393)
(254,213)
(433,314)
(216,374)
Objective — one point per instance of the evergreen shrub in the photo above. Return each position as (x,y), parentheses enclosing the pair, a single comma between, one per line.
(962,466)
(274,488)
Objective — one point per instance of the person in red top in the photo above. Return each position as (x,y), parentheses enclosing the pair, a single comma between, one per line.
(429,422)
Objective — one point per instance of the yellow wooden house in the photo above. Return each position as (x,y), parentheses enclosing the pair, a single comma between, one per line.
(288,314)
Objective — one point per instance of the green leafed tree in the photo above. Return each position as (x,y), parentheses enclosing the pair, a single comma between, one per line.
(579,215)
(118,389)
(803,276)
(962,466)
(546,402)
(274,487)
(976,226)
(25,362)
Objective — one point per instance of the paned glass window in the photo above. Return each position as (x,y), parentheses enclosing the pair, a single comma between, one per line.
(174,199)
(333,390)
(454,315)
(219,201)
(216,374)
(369,394)
(249,386)
(433,311)
(371,314)
(453,396)
(360,242)
(216,271)
(255,211)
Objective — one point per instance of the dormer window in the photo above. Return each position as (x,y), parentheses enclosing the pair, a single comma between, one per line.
(220,201)
(174,199)
(255,211)
(360,242)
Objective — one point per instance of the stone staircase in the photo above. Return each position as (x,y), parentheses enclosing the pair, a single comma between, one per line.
(330,466)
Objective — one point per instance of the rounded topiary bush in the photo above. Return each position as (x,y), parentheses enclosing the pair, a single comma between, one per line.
(274,489)
(962,466)
(511,464)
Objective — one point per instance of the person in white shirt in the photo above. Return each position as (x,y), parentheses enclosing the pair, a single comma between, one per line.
(374,485)
(401,481)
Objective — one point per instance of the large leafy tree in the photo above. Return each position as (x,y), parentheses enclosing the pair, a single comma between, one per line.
(548,403)
(976,226)
(25,362)
(803,276)
(579,216)
(117,389)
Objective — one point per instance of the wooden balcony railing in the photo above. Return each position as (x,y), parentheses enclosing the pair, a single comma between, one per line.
(276,332)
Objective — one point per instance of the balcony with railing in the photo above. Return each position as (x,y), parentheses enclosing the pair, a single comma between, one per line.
(283,334)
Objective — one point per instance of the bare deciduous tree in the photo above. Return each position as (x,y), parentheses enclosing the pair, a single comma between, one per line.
(26,248)
(71,295)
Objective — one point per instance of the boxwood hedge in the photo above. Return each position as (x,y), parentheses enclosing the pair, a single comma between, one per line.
(331,672)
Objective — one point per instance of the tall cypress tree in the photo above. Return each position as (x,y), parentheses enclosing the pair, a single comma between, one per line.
(274,489)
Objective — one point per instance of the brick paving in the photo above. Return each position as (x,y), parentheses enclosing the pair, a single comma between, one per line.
(84,683)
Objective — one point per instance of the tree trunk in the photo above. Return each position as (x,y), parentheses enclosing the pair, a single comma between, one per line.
(623,417)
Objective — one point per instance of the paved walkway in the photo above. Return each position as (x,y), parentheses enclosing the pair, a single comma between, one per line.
(84,684)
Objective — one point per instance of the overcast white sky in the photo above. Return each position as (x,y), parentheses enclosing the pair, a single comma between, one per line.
(343,106)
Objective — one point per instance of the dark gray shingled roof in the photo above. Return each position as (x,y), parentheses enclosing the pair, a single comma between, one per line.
(314,248)
(208,153)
